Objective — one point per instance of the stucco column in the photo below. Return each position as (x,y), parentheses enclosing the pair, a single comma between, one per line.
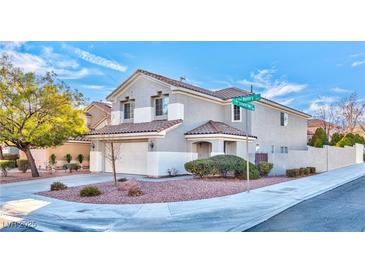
(97,156)
(217,147)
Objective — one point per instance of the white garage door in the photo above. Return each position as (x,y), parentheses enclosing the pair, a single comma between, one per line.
(132,158)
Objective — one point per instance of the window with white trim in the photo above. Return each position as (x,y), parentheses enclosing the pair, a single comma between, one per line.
(128,110)
(284,119)
(236,113)
(161,105)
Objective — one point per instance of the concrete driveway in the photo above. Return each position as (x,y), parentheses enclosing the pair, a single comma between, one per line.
(236,212)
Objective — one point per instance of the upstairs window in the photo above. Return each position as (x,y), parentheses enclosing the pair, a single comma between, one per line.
(284,119)
(161,105)
(128,111)
(236,114)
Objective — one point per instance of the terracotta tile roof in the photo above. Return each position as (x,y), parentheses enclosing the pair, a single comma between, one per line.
(78,139)
(213,127)
(104,106)
(124,128)
(228,93)
(320,123)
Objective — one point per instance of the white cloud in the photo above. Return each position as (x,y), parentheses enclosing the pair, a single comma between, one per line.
(271,88)
(321,102)
(340,90)
(94,87)
(97,60)
(358,63)
(286,102)
(46,61)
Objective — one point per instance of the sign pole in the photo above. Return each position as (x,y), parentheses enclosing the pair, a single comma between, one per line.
(247,156)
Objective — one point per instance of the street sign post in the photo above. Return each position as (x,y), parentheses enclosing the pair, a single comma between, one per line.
(245,102)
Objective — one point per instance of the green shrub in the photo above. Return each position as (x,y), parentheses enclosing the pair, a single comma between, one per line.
(241,171)
(312,170)
(8,156)
(89,191)
(52,159)
(56,186)
(344,142)
(80,158)
(74,166)
(319,138)
(201,167)
(292,172)
(336,137)
(23,165)
(68,158)
(5,165)
(227,163)
(265,168)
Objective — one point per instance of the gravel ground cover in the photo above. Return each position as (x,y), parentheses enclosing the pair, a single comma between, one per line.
(167,191)
(14,177)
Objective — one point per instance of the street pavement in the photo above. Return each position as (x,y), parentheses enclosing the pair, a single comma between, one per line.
(341,209)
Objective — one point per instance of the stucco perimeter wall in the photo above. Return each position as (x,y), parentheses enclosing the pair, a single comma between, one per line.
(323,159)
(158,162)
(41,156)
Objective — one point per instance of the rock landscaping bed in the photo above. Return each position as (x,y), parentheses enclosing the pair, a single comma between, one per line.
(14,177)
(167,191)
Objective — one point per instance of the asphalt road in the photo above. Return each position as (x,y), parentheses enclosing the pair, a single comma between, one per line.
(341,209)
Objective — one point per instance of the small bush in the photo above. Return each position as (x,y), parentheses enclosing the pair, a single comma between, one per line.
(292,172)
(241,171)
(312,170)
(68,158)
(9,156)
(80,158)
(227,163)
(302,171)
(89,191)
(135,192)
(201,167)
(122,179)
(23,165)
(5,165)
(307,171)
(52,159)
(265,168)
(74,166)
(56,186)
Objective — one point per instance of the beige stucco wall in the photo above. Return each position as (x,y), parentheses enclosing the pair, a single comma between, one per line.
(328,157)
(41,156)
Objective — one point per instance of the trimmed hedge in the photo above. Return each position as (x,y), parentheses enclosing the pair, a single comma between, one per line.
(5,165)
(265,168)
(303,171)
(89,191)
(202,167)
(222,164)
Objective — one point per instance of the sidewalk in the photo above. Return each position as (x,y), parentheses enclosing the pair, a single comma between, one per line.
(236,212)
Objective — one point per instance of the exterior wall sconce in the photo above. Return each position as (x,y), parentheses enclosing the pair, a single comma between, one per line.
(151,144)
(93,146)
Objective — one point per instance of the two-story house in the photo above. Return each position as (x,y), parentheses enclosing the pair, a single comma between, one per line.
(159,123)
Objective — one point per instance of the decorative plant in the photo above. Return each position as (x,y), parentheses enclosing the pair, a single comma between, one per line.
(172,172)
(80,158)
(23,165)
(56,186)
(68,158)
(5,165)
(89,191)
(52,160)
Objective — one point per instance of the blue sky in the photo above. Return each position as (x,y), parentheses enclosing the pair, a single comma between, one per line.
(303,75)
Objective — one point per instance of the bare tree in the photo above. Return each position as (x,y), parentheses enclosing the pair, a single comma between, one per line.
(352,111)
(112,154)
(329,116)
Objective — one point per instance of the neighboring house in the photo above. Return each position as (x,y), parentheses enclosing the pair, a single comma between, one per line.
(97,115)
(160,123)
(313,124)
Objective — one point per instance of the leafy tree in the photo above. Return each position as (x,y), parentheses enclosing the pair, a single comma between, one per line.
(350,139)
(336,137)
(68,158)
(319,138)
(37,111)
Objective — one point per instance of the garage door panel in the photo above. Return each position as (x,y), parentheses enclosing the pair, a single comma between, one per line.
(132,158)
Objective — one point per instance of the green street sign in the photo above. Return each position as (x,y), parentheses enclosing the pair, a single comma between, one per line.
(248,98)
(243,105)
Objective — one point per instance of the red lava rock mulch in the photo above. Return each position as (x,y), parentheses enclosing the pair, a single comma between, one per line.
(168,191)
(14,177)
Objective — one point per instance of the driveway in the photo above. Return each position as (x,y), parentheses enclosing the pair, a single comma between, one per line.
(236,212)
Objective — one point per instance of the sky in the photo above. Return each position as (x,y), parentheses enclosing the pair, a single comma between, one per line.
(302,75)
